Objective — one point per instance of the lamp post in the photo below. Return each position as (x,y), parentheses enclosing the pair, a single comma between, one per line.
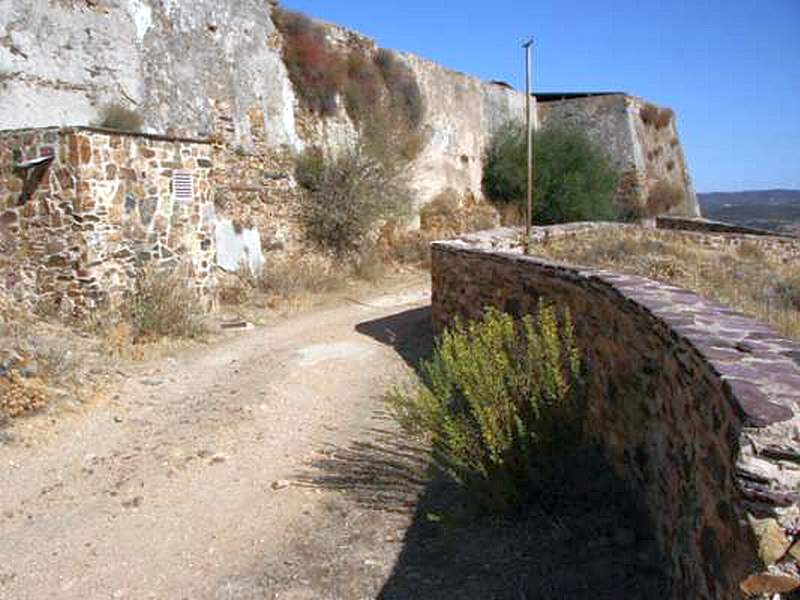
(529,132)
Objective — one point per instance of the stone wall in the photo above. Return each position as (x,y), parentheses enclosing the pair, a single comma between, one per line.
(695,405)
(106,203)
(707,226)
(643,152)
(780,248)
(213,69)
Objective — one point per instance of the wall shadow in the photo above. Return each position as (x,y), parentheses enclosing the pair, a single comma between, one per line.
(410,333)
(583,535)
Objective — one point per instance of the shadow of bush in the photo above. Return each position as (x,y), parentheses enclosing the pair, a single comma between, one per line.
(583,535)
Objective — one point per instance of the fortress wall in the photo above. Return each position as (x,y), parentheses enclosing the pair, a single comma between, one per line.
(462,114)
(644,153)
(213,69)
(694,404)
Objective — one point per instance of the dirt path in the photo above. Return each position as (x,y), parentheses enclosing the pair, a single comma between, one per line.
(197,480)
(263,467)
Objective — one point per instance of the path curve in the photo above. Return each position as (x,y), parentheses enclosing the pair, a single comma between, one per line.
(182,485)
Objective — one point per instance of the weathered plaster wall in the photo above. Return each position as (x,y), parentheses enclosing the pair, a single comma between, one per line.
(695,404)
(214,69)
(462,113)
(180,64)
(644,153)
(104,207)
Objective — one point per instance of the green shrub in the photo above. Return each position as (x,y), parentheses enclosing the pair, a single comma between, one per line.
(574,179)
(346,196)
(116,116)
(499,398)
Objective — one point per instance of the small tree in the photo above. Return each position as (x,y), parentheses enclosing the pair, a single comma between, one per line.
(574,179)
(347,195)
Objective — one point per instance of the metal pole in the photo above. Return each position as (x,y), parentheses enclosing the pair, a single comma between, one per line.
(529,132)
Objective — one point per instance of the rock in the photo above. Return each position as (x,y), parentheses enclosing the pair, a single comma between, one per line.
(243,325)
(766,583)
(9,359)
(133,502)
(772,541)
(30,370)
(794,552)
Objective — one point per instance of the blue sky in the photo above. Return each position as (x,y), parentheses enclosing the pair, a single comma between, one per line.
(730,69)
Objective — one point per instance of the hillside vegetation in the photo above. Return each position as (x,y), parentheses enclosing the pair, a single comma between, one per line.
(776,210)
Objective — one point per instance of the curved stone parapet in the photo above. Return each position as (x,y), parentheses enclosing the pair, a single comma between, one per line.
(708,226)
(695,404)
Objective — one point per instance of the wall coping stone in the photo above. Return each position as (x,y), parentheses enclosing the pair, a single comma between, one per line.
(760,367)
(701,225)
(107,131)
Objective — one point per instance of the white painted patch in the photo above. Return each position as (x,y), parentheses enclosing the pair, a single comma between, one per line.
(142,16)
(235,248)
(319,353)
(287,116)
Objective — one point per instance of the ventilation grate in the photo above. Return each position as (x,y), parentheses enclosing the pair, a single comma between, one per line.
(182,186)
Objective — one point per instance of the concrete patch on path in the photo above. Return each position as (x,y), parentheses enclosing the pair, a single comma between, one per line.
(319,353)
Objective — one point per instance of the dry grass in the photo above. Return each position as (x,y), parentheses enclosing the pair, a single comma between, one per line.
(451,213)
(160,307)
(412,248)
(20,396)
(291,282)
(648,113)
(664,118)
(746,279)
(117,116)
(663,197)
(43,362)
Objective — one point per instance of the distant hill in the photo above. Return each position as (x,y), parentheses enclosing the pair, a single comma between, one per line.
(777,210)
